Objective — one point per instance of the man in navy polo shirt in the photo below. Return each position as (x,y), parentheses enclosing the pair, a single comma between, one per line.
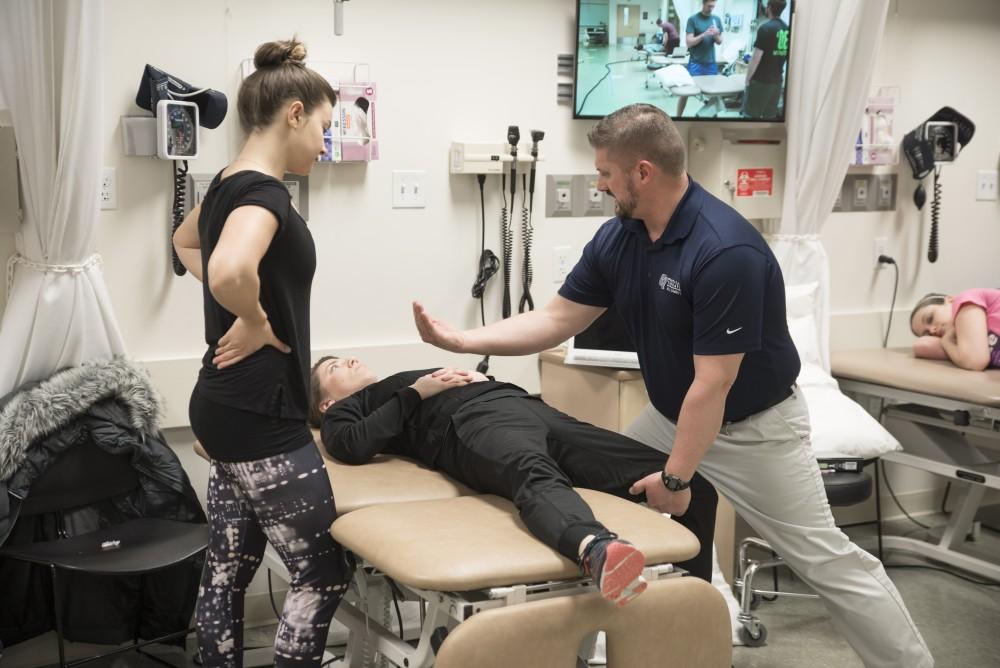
(704,301)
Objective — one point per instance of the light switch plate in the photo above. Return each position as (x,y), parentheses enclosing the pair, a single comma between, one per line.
(408,189)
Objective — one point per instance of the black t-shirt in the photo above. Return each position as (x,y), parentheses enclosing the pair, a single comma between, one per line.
(709,285)
(772,40)
(269,382)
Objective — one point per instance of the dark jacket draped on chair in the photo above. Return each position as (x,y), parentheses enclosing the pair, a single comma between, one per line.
(113,406)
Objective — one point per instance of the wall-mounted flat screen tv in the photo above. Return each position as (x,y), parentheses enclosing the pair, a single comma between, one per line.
(695,59)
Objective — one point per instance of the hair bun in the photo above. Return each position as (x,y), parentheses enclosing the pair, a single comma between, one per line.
(275,54)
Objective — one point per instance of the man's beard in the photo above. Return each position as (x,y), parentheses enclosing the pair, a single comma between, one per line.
(625,204)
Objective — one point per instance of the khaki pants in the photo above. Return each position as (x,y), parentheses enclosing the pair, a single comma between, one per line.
(766,467)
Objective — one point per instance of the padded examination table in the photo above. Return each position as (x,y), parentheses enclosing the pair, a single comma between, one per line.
(474,542)
(898,368)
(933,408)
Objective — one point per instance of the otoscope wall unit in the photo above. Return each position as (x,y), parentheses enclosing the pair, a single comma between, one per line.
(471,157)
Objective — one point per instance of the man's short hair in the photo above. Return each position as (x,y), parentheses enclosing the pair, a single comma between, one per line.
(776,7)
(640,132)
(316,396)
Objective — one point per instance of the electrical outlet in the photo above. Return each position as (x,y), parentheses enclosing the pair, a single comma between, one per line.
(884,194)
(109,189)
(197,188)
(881,246)
(561,263)
(559,195)
(986,184)
(594,198)
(861,192)
(408,189)
(563,197)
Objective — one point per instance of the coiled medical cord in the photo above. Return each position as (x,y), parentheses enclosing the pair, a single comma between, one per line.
(489,264)
(488,261)
(932,245)
(180,194)
(527,231)
(507,240)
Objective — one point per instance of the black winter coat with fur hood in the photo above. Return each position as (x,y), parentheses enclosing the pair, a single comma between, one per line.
(113,406)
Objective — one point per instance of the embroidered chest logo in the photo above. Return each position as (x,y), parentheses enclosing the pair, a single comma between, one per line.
(670,284)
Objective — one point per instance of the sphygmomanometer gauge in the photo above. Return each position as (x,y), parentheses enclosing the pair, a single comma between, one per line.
(177,130)
(181,132)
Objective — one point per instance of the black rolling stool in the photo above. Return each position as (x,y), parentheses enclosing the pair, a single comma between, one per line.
(842,489)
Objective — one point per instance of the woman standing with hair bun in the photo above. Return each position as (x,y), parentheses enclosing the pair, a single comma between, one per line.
(256,258)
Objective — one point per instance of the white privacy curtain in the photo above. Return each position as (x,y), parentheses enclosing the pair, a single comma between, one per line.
(834,45)
(51,76)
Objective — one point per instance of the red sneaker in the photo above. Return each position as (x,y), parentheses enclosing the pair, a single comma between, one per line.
(616,567)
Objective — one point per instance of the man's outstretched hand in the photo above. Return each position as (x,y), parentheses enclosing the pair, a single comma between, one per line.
(436,332)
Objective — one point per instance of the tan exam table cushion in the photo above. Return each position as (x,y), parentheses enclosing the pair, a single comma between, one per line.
(679,622)
(385,479)
(898,368)
(475,542)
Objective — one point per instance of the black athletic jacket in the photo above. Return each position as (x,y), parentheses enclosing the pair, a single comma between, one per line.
(389,416)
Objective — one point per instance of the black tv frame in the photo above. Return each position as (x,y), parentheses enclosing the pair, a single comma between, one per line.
(676,119)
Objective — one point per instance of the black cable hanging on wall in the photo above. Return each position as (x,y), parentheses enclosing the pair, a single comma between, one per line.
(180,195)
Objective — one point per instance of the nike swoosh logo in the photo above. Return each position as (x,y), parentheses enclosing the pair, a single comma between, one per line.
(733,331)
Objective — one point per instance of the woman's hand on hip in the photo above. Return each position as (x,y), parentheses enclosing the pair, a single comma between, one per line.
(243,339)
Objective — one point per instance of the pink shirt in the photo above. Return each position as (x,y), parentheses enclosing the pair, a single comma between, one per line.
(989,300)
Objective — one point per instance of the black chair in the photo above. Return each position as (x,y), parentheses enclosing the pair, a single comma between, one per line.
(84,475)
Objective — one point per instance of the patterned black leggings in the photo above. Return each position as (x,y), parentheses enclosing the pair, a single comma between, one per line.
(285,500)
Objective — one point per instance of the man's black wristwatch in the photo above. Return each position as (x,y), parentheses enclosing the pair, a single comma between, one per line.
(673,483)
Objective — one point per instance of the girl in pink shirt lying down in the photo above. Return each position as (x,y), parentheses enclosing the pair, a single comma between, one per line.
(963,328)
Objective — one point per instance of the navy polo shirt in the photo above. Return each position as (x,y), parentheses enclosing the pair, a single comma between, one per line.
(710,285)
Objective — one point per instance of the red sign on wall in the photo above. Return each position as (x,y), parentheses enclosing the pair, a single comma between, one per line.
(755,182)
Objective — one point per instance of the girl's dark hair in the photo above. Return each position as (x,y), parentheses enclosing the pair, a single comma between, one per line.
(281,76)
(930,299)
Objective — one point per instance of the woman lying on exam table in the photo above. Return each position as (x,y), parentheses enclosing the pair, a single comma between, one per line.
(963,328)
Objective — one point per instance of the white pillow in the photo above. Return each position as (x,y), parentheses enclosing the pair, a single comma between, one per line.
(840,426)
(800,300)
(805,335)
(674,75)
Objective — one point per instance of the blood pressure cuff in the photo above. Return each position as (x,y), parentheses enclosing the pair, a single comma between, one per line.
(157,85)
(919,151)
